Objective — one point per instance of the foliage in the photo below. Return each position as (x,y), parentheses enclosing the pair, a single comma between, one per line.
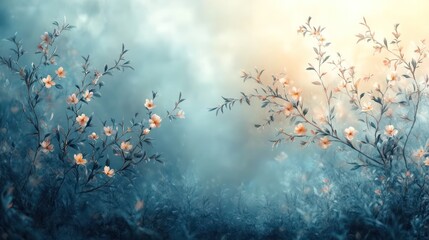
(381,126)
(52,167)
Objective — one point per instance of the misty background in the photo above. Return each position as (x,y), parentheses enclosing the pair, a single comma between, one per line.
(198,48)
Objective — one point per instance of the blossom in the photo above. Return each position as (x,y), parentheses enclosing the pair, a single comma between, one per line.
(180,114)
(377,86)
(93,136)
(301,29)
(325,142)
(419,153)
(45,38)
(60,72)
(126,146)
(155,121)
(393,76)
(48,81)
(108,131)
(350,133)
(87,95)
(426,162)
(390,131)
(82,119)
(72,99)
(109,171)
(146,131)
(367,106)
(377,191)
(78,158)
(47,147)
(300,129)
(386,62)
(149,104)
(295,93)
(288,108)
(285,81)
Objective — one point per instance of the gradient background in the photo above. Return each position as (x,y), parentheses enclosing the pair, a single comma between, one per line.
(199,48)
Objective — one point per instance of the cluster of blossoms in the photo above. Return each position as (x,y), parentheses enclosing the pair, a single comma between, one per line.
(375,136)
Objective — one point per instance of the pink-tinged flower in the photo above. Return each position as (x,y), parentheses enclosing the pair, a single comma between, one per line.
(47,147)
(109,171)
(79,160)
(300,129)
(295,93)
(146,131)
(126,146)
(285,81)
(155,121)
(149,104)
(180,114)
(40,48)
(386,62)
(325,142)
(60,72)
(419,153)
(390,131)
(93,136)
(45,38)
(139,205)
(82,120)
(393,77)
(350,133)
(377,192)
(48,81)
(426,161)
(87,95)
(288,108)
(108,131)
(367,106)
(72,99)
(301,29)
(52,61)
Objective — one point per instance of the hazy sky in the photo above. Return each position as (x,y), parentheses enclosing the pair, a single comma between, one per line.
(199,48)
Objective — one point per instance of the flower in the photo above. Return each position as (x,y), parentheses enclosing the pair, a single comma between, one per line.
(78,158)
(82,120)
(295,93)
(126,146)
(149,104)
(426,162)
(47,147)
(60,72)
(288,108)
(386,62)
(324,142)
(108,131)
(48,81)
(285,81)
(45,38)
(87,95)
(419,153)
(72,99)
(377,191)
(146,131)
(300,129)
(350,133)
(390,131)
(180,114)
(393,76)
(367,106)
(155,121)
(93,136)
(109,171)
